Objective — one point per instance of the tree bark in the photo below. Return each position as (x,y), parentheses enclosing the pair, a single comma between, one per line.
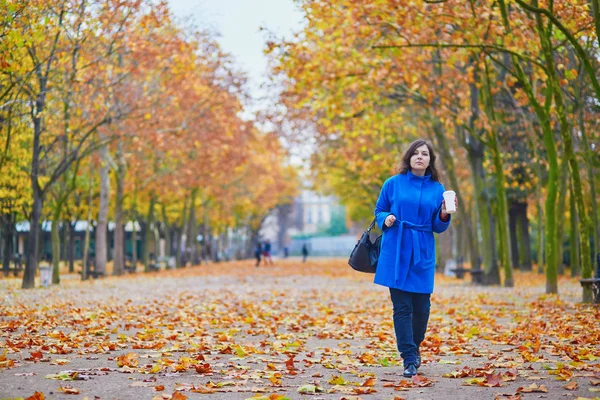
(525,238)
(168,242)
(485,217)
(512,224)
(8,235)
(119,259)
(560,217)
(574,238)
(192,231)
(72,246)
(502,219)
(55,234)
(101,227)
(181,239)
(146,243)
(86,240)
(34,239)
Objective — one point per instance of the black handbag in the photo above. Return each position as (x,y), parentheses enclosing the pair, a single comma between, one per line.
(365,255)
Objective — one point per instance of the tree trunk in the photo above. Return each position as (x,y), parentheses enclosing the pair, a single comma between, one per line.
(63,241)
(56,243)
(168,242)
(101,227)
(86,240)
(525,238)
(504,238)
(485,217)
(119,233)
(192,232)
(34,239)
(574,238)
(560,217)
(181,240)
(8,235)
(552,158)
(512,223)
(475,152)
(146,243)
(72,246)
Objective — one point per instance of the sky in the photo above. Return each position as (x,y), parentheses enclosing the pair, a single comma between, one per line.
(238,22)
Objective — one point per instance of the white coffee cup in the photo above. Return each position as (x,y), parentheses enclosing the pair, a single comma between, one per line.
(449,196)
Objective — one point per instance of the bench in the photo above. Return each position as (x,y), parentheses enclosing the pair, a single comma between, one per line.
(153,267)
(593,283)
(91,270)
(129,266)
(18,261)
(476,274)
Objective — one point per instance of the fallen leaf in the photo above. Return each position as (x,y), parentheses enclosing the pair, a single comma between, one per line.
(68,389)
(571,386)
(370,382)
(36,396)
(309,389)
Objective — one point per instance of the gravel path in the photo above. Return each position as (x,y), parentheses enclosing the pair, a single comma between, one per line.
(232,331)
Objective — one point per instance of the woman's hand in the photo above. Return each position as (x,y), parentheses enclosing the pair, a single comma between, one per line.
(389,220)
(443,213)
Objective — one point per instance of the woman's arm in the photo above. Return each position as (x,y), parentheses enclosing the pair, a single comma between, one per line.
(440,224)
(383,206)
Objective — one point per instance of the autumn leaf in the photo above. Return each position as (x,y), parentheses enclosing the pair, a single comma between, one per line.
(203,368)
(290,365)
(178,396)
(35,356)
(337,380)
(68,389)
(36,396)
(532,388)
(363,390)
(64,376)
(310,389)
(571,385)
(370,382)
(421,381)
(127,360)
(492,380)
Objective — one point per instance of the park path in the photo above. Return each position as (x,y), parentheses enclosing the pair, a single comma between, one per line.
(232,331)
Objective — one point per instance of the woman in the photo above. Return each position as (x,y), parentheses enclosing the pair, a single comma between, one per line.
(409,209)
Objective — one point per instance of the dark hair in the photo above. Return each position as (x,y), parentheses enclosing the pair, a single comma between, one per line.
(404,166)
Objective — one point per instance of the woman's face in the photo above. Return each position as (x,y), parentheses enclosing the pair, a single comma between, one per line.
(419,161)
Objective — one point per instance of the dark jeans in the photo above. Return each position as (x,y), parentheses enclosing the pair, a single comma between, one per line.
(411,314)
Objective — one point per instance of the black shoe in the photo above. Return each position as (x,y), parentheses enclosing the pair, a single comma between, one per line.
(418,364)
(409,371)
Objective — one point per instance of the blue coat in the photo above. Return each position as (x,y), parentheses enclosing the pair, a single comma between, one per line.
(407,257)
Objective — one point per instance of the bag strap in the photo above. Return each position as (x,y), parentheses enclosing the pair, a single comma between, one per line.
(372,225)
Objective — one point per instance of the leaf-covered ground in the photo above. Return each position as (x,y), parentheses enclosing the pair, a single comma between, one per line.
(316,330)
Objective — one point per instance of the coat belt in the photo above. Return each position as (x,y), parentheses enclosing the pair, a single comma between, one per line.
(416,248)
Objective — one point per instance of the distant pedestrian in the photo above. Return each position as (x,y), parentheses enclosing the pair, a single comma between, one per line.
(267,252)
(304,252)
(286,252)
(257,253)
(409,210)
